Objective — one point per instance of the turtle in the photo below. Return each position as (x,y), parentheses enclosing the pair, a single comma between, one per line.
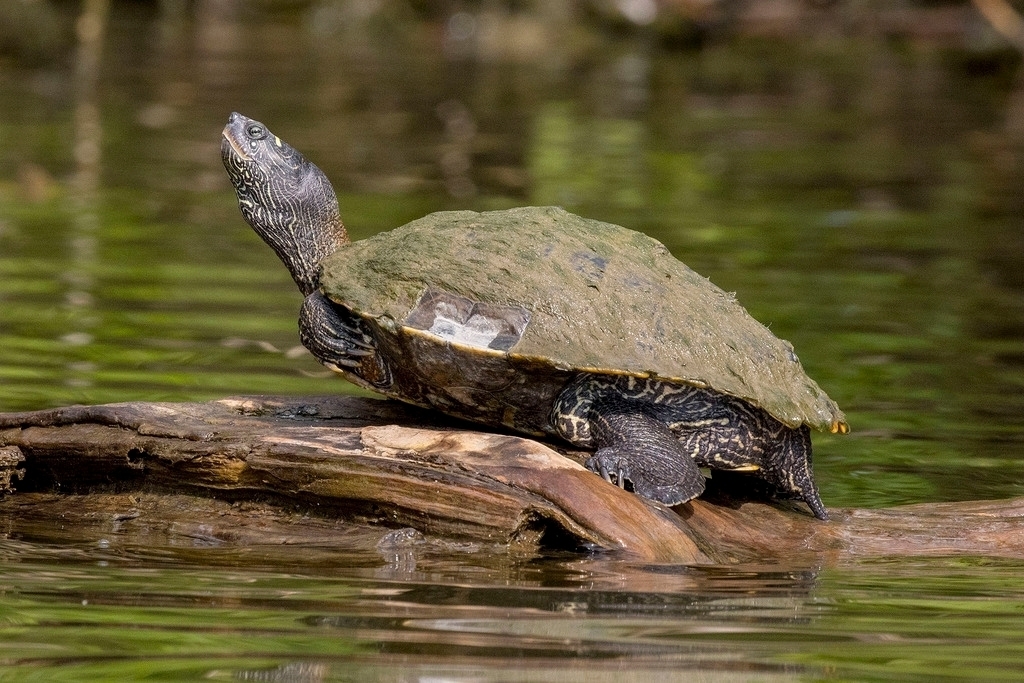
(543,322)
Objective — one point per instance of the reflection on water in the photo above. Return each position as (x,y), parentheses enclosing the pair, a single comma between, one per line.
(84,186)
(99,614)
(857,183)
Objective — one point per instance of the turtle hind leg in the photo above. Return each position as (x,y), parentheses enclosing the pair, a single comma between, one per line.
(637,448)
(339,340)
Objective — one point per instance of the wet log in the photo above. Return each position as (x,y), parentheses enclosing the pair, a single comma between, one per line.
(367,460)
(390,466)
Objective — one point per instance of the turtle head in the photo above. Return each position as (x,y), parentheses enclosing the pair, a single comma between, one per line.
(286,199)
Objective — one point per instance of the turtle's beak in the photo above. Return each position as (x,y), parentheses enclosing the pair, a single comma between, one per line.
(232,134)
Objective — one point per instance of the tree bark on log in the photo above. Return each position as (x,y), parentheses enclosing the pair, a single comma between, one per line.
(387,464)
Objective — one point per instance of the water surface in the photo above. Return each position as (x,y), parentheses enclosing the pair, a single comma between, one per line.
(89,613)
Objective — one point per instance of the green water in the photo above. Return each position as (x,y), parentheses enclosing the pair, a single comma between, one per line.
(860,194)
(99,615)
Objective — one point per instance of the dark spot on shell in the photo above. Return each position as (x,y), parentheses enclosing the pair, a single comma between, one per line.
(591,265)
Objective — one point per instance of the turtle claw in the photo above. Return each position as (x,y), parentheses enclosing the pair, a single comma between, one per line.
(612,468)
(616,474)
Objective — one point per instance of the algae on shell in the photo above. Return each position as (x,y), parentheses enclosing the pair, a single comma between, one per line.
(575,294)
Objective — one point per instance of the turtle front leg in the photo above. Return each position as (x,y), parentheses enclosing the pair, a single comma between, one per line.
(635,447)
(340,341)
(331,339)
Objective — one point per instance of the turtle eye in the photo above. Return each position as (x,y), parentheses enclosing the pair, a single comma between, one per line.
(256,131)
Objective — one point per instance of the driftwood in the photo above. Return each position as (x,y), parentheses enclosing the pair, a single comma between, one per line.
(380,463)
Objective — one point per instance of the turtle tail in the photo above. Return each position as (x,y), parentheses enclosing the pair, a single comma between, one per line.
(790,469)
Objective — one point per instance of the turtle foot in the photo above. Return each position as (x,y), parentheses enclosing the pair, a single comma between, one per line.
(330,338)
(669,482)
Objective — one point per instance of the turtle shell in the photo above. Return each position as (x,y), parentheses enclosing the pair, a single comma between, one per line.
(475,308)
